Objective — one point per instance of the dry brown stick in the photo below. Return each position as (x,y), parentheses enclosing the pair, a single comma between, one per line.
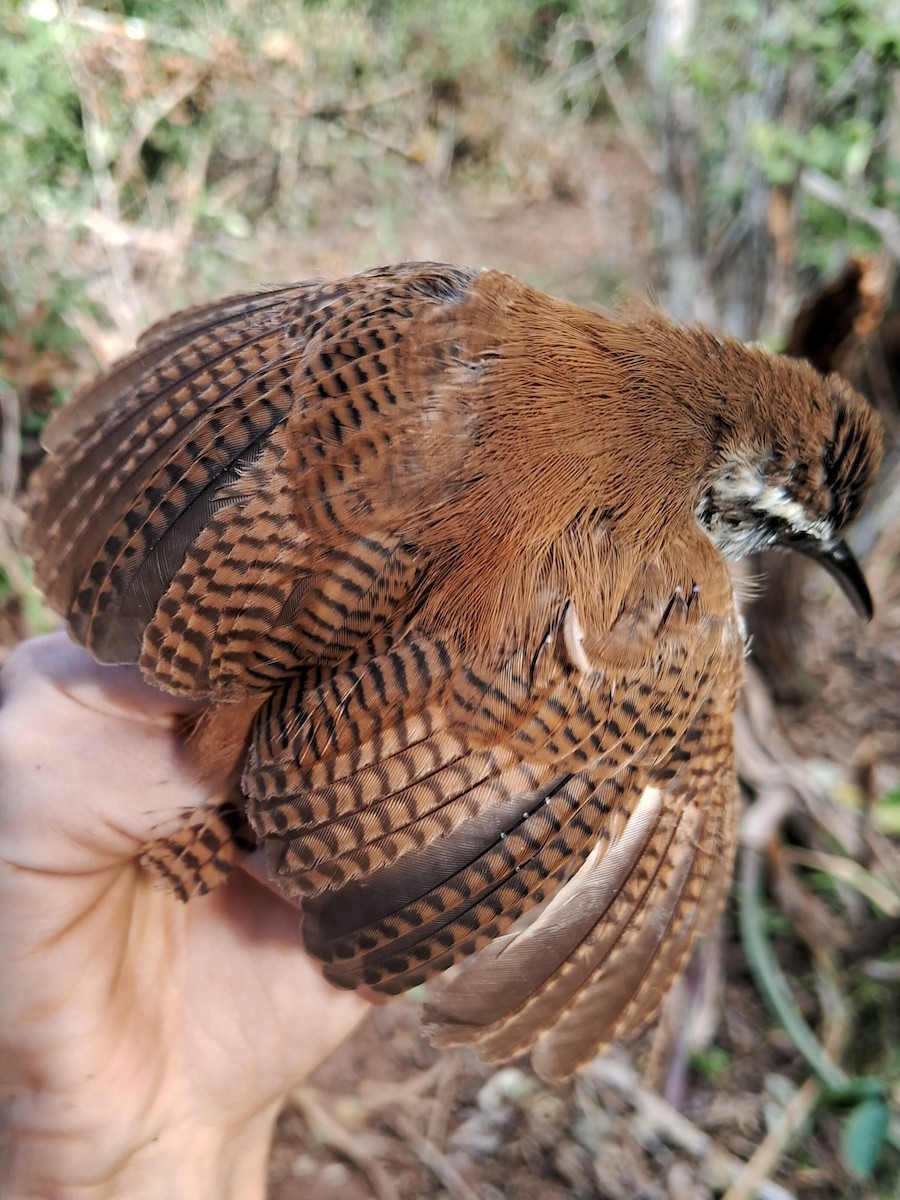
(379,140)
(363,103)
(867,883)
(616,90)
(442,1107)
(431,1157)
(782,781)
(607,47)
(799,1108)
(346,1142)
(94,133)
(120,276)
(332,111)
(130,29)
(717,1167)
(813,920)
(774,1146)
(148,117)
(387,1095)
(184,224)
(9,479)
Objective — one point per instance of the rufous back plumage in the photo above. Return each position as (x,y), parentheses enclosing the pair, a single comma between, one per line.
(447,557)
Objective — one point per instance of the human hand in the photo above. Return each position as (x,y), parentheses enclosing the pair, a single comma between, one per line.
(145,1045)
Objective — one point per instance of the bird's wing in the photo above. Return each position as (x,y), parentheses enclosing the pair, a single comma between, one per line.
(600,957)
(422,806)
(235,498)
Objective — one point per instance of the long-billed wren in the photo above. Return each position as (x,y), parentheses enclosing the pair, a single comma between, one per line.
(448,559)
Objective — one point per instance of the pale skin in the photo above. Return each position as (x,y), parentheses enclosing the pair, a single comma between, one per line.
(146,1045)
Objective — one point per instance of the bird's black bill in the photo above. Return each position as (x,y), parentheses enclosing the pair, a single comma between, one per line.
(840,564)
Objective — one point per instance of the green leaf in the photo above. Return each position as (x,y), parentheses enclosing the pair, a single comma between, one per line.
(863,1135)
(713,1063)
(886,813)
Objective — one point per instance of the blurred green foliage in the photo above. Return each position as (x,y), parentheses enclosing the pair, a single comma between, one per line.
(117,108)
(809,84)
(232,114)
(713,1064)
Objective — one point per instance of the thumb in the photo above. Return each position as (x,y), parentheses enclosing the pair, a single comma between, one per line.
(92,760)
(118,691)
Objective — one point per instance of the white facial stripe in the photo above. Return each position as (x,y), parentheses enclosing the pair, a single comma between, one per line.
(741,488)
(775,502)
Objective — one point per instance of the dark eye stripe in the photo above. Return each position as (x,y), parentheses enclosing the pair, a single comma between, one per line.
(834,468)
(840,420)
(841,437)
(770,526)
(847,467)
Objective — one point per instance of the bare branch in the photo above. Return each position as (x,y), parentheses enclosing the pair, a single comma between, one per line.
(835,195)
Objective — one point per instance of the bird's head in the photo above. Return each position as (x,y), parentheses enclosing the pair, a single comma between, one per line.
(791,471)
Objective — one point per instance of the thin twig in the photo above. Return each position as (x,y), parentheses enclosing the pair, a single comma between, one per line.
(183,226)
(148,117)
(390,1095)
(624,108)
(607,48)
(432,1158)
(718,1168)
(835,195)
(777,1141)
(442,1106)
(326,112)
(11,439)
(120,274)
(775,989)
(794,1116)
(861,880)
(379,140)
(347,1143)
(130,29)
(9,480)
(104,185)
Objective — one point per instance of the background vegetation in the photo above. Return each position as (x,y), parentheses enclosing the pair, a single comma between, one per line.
(730,155)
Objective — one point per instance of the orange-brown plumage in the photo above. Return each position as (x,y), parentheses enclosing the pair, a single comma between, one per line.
(449,555)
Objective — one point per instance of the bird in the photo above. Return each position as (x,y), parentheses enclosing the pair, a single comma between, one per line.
(449,562)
